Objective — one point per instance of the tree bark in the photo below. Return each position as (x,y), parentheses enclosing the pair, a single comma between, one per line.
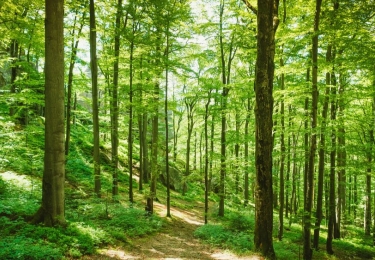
(309,178)
(322,148)
(266,16)
(167,125)
(130,126)
(53,196)
(95,105)
(13,74)
(206,158)
(282,159)
(114,110)
(225,80)
(332,185)
(247,159)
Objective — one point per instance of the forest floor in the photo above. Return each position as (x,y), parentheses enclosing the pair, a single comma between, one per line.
(174,241)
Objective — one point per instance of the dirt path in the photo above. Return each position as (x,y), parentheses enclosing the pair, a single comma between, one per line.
(174,241)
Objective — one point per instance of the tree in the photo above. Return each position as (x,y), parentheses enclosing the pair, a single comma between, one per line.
(52,210)
(114,109)
(267,23)
(309,176)
(225,65)
(95,106)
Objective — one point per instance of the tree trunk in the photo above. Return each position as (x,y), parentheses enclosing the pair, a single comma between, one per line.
(368,178)
(190,104)
(266,16)
(13,74)
(53,196)
(130,129)
(319,205)
(341,157)
(332,185)
(224,95)
(309,179)
(225,80)
(114,110)
(237,153)
(166,125)
(206,158)
(247,159)
(282,160)
(155,134)
(154,151)
(95,106)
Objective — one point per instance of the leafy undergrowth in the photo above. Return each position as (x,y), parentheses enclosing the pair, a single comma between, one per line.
(91,223)
(235,232)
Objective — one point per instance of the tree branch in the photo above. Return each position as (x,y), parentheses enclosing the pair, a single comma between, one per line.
(250,7)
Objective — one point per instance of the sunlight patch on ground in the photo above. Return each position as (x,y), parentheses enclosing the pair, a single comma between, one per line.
(118,253)
(22,181)
(177,213)
(230,256)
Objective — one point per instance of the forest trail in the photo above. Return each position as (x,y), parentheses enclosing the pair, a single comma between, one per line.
(174,241)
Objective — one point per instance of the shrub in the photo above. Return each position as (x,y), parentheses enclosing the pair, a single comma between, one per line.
(219,236)
(238,222)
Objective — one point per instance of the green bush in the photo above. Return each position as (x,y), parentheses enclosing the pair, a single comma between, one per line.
(217,235)
(240,222)
(21,247)
(74,240)
(133,222)
(3,187)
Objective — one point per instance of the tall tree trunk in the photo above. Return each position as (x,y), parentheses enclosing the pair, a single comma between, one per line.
(307,251)
(293,199)
(225,80)
(247,159)
(130,129)
(166,124)
(288,208)
(206,158)
(13,74)
(332,185)
(237,153)
(114,110)
(282,159)
(267,22)
(322,147)
(146,160)
(224,95)
(52,210)
(190,106)
(368,176)
(154,151)
(341,156)
(95,105)
(155,132)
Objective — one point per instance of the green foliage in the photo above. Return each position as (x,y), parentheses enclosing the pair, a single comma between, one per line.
(3,187)
(22,149)
(39,242)
(240,222)
(133,221)
(218,235)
